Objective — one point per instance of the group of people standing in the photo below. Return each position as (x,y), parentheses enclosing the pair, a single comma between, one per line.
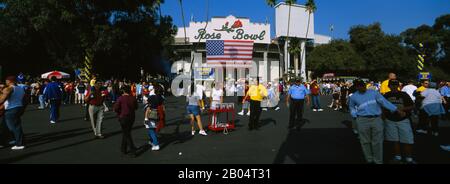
(385,115)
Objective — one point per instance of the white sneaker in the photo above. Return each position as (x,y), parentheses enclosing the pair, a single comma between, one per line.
(355,131)
(17,147)
(330,106)
(41,108)
(315,110)
(435,134)
(445,148)
(241,113)
(155,148)
(420,131)
(320,110)
(248,113)
(52,122)
(336,109)
(193,132)
(278,108)
(264,109)
(202,132)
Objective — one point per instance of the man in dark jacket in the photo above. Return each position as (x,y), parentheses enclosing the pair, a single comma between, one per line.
(53,93)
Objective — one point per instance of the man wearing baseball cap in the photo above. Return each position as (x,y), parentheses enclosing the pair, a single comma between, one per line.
(398,129)
(12,99)
(365,106)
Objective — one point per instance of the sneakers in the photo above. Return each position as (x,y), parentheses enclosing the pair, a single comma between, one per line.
(320,110)
(410,160)
(193,132)
(445,148)
(155,147)
(241,113)
(420,131)
(278,108)
(396,161)
(355,132)
(265,109)
(435,134)
(315,110)
(17,147)
(336,109)
(99,136)
(202,132)
(248,113)
(41,108)
(52,122)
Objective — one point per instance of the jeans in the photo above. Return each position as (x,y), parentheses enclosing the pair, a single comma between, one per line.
(14,123)
(371,138)
(255,108)
(127,141)
(316,101)
(41,101)
(54,109)
(96,116)
(296,111)
(152,135)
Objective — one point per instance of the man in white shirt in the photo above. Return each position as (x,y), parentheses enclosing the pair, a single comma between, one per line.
(410,88)
(199,91)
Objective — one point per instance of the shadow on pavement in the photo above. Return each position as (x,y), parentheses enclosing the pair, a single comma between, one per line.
(319,146)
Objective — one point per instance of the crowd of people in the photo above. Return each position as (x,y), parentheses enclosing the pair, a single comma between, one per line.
(380,111)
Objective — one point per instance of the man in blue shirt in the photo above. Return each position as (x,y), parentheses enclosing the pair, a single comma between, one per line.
(445,92)
(365,106)
(295,101)
(53,93)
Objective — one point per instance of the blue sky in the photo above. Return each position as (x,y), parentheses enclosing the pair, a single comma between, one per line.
(395,16)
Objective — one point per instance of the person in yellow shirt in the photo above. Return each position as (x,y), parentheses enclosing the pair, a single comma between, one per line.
(256,93)
(385,84)
(92,82)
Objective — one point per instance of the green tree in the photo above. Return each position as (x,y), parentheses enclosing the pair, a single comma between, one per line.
(337,57)
(121,35)
(382,53)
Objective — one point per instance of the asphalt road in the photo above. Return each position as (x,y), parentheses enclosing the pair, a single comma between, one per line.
(324,139)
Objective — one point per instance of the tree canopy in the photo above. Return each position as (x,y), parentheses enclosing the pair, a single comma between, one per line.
(51,34)
(372,53)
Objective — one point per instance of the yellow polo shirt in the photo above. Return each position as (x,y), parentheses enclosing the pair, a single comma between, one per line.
(384,87)
(92,83)
(421,88)
(257,93)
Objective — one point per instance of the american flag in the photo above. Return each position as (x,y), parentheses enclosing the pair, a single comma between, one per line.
(229,53)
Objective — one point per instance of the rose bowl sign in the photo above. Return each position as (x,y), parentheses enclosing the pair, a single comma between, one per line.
(227,28)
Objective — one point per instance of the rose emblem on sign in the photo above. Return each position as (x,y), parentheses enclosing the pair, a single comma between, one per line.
(226,28)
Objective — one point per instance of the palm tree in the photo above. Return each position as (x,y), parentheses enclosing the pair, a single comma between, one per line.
(310,8)
(272,3)
(295,49)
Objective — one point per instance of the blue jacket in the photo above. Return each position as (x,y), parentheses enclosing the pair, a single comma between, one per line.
(369,104)
(53,91)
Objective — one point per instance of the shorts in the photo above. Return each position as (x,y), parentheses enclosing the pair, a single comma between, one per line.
(246,105)
(193,109)
(399,131)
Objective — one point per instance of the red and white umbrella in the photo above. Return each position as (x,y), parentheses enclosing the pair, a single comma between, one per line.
(57,74)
